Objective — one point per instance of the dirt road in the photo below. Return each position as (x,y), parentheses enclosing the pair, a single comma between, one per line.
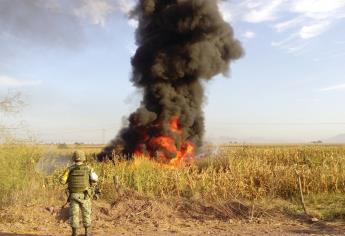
(151,217)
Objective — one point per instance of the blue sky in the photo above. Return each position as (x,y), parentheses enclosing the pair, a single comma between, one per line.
(71,61)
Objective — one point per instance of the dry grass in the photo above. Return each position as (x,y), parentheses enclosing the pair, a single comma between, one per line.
(246,173)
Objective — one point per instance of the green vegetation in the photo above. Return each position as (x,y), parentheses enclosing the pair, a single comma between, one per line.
(19,181)
(62,146)
(264,175)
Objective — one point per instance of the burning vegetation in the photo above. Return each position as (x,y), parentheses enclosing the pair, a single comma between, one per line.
(164,147)
(180,43)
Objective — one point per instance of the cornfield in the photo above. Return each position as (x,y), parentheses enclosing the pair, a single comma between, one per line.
(233,172)
(237,172)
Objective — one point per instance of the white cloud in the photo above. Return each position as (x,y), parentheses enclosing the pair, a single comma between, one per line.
(262,12)
(313,30)
(133,23)
(6,81)
(249,35)
(125,6)
(338,87)
(292,44)
(225,10)
(254,11)
(301,20)
(311,19)
(132,48)
(251,11)
(286,25)
(96,11)
(227,16)
(296,49)
(314,7)
(314,17)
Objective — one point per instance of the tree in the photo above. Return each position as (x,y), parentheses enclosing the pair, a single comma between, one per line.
(11,103)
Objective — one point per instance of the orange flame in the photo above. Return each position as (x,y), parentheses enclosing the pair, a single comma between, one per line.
(165,149)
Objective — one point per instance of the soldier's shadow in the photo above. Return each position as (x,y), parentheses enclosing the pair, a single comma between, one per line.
(63,214)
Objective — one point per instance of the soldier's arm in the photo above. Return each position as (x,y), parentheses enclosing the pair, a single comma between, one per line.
(64,177)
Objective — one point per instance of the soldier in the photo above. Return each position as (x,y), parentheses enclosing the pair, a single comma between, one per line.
(80,178)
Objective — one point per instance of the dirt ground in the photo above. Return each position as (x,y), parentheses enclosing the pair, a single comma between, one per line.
(140,216)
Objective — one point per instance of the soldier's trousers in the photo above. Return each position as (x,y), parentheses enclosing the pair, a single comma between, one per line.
(79,203)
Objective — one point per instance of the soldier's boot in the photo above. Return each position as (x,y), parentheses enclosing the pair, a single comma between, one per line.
(74,231)
(88,231)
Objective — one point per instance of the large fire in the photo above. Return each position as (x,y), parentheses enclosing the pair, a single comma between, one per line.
(180,44)
(164,148)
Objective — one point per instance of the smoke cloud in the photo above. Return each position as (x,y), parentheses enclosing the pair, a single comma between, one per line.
(180,43)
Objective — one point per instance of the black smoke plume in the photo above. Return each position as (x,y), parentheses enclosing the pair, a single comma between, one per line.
(180,43)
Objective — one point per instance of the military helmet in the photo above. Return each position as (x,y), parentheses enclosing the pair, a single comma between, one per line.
(79,156)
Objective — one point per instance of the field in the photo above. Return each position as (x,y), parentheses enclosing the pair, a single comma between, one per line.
(226,187)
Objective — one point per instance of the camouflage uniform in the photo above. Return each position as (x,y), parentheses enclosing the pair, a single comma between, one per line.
(79,177)
(78,201)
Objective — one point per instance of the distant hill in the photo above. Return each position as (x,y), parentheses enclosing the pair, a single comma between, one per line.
(336,139)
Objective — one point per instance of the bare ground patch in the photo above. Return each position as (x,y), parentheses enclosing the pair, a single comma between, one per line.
(135,215)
